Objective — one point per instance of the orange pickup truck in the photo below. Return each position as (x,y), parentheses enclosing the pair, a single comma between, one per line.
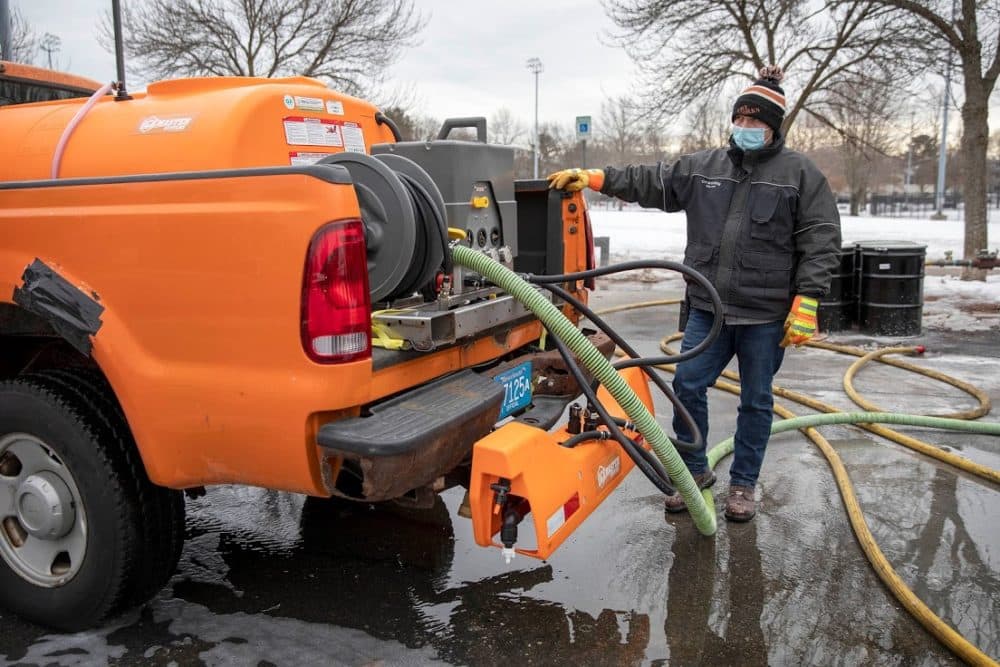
(247,281)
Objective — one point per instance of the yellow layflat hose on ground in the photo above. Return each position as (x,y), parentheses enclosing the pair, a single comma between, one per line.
(924,448)
(975,392)
(916,607)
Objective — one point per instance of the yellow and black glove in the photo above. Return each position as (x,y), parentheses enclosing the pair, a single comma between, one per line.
(575,180)
(800,325)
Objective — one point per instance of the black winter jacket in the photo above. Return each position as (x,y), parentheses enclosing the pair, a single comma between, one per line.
(762,226)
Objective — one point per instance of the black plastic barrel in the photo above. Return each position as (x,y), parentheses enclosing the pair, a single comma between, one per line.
(838,309)
(890,287)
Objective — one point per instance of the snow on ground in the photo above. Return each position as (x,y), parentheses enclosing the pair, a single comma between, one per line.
(949,303)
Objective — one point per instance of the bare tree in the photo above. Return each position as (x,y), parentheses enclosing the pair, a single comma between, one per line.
(618,127)
(867,114)
(505,128)
(23,39)
(972,30)
(691,49)
(652,142)
(708,125)
(416,126)
(924,158)
(993,157)
(812,135)
(553,139)
(349,43)
(426,127)
(405,122)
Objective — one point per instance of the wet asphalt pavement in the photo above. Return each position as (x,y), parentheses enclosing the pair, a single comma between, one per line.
(272,578)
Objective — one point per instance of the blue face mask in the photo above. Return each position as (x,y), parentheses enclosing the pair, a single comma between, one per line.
(748,138)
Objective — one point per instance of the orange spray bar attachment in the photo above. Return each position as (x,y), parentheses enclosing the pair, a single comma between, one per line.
(522,472)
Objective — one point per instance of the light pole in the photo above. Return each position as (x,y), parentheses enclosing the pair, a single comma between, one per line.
(908,178)
(536,67)
(6,52)
(943,155)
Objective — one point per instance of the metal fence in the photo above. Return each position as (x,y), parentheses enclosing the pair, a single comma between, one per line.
(919,204)
(912,205)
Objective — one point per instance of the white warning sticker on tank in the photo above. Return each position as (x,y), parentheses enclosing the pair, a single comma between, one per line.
(309,103)
(300,131)
(335,107)
(304,158)
(354,137)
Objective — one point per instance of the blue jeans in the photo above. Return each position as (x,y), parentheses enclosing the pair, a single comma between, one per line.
(758,351)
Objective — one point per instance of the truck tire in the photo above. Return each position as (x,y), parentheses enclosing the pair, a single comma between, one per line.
(162,509)
(83,533)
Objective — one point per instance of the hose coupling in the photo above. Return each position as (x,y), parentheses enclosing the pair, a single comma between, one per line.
(575,418)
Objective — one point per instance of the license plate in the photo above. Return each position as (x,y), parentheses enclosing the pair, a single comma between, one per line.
(517,388)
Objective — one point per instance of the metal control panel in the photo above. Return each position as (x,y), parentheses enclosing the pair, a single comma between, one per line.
(477,183)
(482,222)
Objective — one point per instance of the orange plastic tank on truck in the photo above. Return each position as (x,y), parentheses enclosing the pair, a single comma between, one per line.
(192,124)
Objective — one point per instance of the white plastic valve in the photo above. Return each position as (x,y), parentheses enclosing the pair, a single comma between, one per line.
(508,554)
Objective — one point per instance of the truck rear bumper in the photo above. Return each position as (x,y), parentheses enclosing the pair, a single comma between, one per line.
(410,440)
(413,439)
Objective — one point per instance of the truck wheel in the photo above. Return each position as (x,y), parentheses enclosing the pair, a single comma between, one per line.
(74,501)
(162,526)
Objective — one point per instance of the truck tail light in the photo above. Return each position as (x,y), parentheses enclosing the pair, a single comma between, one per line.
(336,306)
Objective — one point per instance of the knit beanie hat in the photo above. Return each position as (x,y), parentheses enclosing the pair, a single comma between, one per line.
(764,99)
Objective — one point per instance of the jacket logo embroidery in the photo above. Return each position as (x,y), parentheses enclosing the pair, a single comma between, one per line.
(711,185)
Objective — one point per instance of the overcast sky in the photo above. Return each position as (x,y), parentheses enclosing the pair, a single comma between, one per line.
(471,61)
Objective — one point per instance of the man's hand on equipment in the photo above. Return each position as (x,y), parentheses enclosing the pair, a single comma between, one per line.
(575,180)
(800,325)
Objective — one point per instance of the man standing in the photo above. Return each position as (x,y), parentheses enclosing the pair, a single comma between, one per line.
(763,227)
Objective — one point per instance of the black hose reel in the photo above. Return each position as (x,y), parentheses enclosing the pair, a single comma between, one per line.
(405,222)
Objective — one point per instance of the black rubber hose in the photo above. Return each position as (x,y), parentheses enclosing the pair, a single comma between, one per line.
(575,440)
(439,221)
(651,372)
(382,119)
(584,436)
(412,279)
(649,264)
(645,461)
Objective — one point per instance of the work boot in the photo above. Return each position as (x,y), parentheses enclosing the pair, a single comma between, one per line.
(675,503)
(740,505)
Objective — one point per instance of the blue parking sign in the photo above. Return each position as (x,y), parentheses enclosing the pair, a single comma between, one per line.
(582,127)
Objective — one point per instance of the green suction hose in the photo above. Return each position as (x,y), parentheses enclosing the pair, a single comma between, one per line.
(702,512)
(726,446)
